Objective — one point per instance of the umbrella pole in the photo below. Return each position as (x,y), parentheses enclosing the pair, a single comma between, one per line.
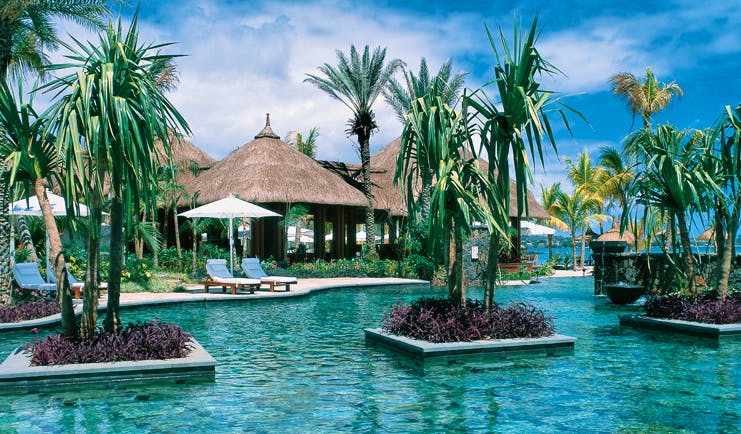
(231,247)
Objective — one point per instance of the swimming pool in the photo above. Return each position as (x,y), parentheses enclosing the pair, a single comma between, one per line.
(301,365)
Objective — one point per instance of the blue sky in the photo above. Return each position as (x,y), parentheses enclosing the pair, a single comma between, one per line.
(248,58)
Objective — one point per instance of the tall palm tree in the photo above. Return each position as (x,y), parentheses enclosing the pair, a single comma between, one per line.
(644,97)
(618,172)
(27,30)
(548,196)
(33,160)
(460,189)
(6,253)
(401,97)
(307,145)
(675,182)
(357,82)
(587,177)
(106,126)
(515,127)
(578,211)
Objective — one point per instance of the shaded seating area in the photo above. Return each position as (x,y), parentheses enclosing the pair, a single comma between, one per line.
(252,269)
(220,276)
(27,276)
(75,284)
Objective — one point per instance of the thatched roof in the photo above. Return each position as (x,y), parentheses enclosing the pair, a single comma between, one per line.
(188,156)
(267,170)
(614,235)
(707,235)
(384,162)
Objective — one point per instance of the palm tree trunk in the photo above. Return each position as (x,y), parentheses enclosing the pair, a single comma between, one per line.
(370,222)
(573,248)
(56,259)
(423,199)
(24,234)
(195,246)
(456,291)
(155,250)
(112,319)
(297,237)
(6,254)
(725,262)
(689,261)
(176,226)
(89,320)
(492,268)
(583,243)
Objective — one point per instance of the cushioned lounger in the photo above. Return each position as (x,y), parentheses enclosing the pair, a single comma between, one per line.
(219,275)
(252,269)
(27,276)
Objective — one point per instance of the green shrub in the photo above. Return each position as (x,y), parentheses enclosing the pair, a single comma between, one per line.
(157,284)
(128,287)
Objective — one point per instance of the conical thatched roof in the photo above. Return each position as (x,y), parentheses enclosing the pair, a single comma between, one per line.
(707,235)
(614,235)
(386,159)
(267,170)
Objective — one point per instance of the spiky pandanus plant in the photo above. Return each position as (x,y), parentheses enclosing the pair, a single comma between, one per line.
(106,125)
(517,127)
(675,182)
(401,97)
(357,81)
(460,193)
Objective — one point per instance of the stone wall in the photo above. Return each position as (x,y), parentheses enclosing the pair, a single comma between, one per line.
(655,271)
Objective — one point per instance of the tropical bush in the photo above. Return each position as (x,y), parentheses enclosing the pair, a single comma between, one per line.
(704,308)
(141,341)
(344,268)
(28,310)
(439,320)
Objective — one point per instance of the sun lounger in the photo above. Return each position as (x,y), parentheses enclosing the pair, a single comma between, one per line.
(75,284)
(220,276)
(27,276)
(252,269)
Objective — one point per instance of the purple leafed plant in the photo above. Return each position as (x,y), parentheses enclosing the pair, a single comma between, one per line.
(437,320)
(705,308)
(28,310)
(141,341)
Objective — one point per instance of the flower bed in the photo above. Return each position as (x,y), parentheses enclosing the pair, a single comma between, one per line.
(704,309)
(437,320)
(27,311)
(141,341)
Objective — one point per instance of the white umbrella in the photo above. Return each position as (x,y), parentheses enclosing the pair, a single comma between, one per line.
(229,208)
(30,207)
(530,228)
(307,235)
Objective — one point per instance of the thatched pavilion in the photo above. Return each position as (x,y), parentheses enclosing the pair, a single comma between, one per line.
(273,174)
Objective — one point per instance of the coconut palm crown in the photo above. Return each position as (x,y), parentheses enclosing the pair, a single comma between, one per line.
(644,97)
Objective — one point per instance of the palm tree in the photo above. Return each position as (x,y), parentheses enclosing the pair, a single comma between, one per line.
(6,253)
(517,125)
(401,97)
(618,174)
(357,82)
(460,191)
(548,196)
(587,177)
(111,117)
(26,29)
(33,159)
(306,146)
(644,98)
(675,182)
(578,211)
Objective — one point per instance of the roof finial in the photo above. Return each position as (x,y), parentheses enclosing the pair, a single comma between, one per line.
(267,131)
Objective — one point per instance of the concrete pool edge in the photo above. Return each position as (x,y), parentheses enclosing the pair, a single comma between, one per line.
(316,285)
(720,332)
(16,372)
(494,348)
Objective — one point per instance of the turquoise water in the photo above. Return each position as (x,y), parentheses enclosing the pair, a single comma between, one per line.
(302,366)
